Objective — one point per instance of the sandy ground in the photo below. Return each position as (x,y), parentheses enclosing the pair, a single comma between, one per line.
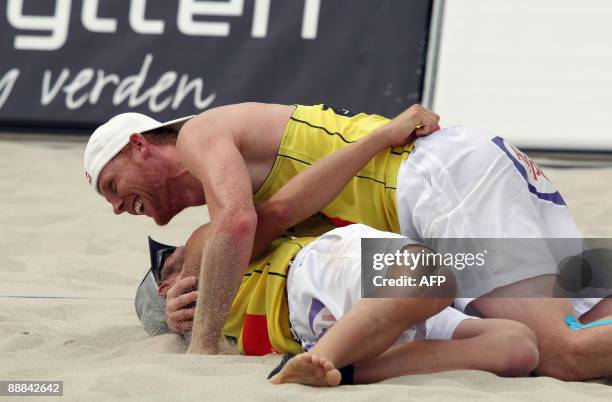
(69,270)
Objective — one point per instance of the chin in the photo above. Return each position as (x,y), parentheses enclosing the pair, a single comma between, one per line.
(163,220)
(166,215)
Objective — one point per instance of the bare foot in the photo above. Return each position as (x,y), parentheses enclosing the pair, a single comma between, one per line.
(308,369)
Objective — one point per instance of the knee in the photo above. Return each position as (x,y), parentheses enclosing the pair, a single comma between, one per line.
(405,312)
(521,355)
(564,360)
(427,308)
(389,313)
(580,351)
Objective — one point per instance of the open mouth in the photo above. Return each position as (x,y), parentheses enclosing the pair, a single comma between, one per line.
(139,206)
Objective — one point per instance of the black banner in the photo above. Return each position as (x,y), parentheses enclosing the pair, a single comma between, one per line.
(75,63)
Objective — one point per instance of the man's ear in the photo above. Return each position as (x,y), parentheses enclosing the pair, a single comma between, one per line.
(140,145)
(162,290)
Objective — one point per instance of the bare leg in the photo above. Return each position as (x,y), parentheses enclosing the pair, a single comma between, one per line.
(369,328)
(503,347)
(564,354)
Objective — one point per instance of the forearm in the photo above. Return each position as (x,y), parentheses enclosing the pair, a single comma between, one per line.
(312,189)
(224,258)
(315,187)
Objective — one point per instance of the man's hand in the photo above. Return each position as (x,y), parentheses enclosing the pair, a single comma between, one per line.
(416,121)
(180,304)
(208,148)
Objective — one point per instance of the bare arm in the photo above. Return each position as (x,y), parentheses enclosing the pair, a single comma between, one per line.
(312,189)
(209,151)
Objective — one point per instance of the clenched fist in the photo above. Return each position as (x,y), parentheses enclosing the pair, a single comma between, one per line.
(416,121)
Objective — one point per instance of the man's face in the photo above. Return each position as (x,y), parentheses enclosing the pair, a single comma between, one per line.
(139,185)
(171,270)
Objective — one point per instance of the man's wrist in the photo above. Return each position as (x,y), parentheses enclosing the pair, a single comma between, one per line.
(204,347)
(203,340)
(383,136)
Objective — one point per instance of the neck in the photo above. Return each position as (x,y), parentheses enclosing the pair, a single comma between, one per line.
(187,187)
(191,191)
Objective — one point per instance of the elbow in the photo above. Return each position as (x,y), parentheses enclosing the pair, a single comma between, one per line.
(239,225)
(278,212)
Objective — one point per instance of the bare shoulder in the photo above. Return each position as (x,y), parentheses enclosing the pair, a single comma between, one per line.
(233,123)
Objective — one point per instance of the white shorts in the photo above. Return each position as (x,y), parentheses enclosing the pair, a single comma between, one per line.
(582,305)
(324,282)
(464,183)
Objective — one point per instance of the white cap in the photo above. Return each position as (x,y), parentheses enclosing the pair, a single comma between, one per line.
(111,137)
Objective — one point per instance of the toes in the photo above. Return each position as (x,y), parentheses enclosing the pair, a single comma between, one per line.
(333,377)
(316,360)
(305,357)
(327,365)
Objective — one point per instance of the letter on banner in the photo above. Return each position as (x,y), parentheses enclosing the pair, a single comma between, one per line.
(6,85)
(91,22)
(57,25)
(188,8)
(139,23)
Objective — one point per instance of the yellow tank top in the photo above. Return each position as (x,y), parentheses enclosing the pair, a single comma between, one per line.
(259,318)
(316,131)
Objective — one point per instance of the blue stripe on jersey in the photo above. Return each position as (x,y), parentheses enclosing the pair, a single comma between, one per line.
(555,197)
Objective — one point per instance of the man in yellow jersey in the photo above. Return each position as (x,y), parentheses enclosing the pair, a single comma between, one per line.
(219,159)
(303,288)
(457,183)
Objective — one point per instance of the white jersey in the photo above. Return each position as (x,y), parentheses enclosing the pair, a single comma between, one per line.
(464,183)
(324,282)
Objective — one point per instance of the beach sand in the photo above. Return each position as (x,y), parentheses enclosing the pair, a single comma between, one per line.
(69,270)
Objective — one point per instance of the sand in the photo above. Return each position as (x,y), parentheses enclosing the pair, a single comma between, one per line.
(69,270)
